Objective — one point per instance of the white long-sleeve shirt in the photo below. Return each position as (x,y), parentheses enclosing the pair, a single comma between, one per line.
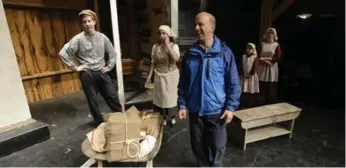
(89,50)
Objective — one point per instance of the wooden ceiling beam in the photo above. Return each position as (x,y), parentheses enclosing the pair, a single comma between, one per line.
(266,15)
(282,8)
(54,4)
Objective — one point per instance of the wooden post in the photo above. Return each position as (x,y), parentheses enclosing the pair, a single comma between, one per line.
(282,8)
(96,9)
(116,40)
(266,16)
(203,5)
(133,43)
(269,15)
(175,16)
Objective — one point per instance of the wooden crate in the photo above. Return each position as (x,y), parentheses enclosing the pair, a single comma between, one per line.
(259,123)
(128,66)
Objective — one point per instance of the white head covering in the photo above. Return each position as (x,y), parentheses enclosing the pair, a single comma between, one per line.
(167,30)
(274,32)
(253,47)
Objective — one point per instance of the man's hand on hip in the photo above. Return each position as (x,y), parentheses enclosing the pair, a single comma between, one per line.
(79,68)
(227,115)
(105,69)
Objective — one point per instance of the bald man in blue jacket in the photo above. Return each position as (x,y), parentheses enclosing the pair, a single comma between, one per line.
(209,91)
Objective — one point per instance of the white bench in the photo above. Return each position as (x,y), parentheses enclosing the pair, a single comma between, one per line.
(259,123)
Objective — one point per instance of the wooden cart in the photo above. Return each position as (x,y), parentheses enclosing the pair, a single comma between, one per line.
(148,158)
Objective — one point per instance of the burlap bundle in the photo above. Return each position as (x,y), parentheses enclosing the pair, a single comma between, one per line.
(122,134)
(151,123)
(118,139)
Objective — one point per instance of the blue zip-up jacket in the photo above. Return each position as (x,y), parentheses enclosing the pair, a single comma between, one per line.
(209,81)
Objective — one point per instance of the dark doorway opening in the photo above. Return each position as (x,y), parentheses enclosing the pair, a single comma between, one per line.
(312,69)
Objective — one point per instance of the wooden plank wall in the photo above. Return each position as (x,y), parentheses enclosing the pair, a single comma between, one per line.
(37,36)
(39,29)
(124,29)
(150,15)
(54,4)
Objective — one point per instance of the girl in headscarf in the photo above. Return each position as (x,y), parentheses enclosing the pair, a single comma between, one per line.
(249,78)
(268,70)
(164,55)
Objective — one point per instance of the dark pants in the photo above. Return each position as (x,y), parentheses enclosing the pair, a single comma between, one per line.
(208,139)
(94,82)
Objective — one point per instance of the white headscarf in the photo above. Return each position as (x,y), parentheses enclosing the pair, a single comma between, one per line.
(274,32)
(167,30)
(253,47)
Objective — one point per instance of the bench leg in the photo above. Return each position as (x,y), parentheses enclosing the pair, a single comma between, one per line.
(292,126)
(244,147)
(244,134)
(289,125)
(237,134)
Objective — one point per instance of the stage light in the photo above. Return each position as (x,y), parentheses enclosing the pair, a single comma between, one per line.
(304,16)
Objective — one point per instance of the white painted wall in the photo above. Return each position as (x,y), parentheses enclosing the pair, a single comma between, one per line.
(13,104)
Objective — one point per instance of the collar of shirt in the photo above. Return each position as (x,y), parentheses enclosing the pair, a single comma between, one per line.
(204,50)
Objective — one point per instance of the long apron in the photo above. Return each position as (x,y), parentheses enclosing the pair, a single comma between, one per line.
(251,84)
(166,78)
(165,92)
(268,73)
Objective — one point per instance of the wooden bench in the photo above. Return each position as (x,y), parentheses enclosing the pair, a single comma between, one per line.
(259,123)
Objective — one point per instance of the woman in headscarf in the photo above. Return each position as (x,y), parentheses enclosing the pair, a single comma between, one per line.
(164,55)
(268,70)
(248,77)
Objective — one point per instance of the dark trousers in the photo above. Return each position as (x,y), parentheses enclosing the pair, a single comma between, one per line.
(208,139)
(94,82)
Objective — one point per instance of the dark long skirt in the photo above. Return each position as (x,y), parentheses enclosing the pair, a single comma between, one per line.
(268,92)
(248,100)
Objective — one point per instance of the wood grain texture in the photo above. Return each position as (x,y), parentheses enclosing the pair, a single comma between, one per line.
(158,13)
(55,4)
(266,16)
(37,37)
